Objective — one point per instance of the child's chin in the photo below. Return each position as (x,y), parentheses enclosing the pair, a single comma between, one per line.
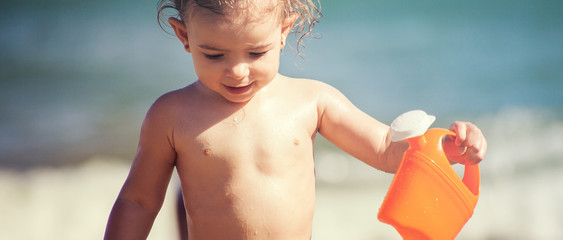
(239,99)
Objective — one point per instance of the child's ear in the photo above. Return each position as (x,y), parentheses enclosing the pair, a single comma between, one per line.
(181,32)
(287,25)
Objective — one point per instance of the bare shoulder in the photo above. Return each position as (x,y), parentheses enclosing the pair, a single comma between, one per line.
(304,82)
(323,92)
(165,110)
(173,101)
(172,98)
(310,87)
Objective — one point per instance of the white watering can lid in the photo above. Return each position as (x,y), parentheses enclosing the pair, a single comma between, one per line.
(410,124)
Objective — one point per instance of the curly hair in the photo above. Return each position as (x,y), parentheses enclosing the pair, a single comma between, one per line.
(308,13)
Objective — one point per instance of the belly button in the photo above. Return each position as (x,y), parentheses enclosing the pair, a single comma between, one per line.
(207,152)
(295,141)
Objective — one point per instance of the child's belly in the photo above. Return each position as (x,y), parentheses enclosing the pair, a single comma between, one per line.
(252,205)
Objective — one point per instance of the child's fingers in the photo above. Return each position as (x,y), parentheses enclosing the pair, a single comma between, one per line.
(473,153)
(459,129)
(473,136)
(470,136)
(467,134)
(476,143)
(479,150)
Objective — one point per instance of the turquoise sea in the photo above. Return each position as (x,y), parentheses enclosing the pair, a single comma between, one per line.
(76,78)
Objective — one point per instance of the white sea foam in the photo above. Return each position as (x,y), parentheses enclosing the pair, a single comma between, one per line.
(522,141)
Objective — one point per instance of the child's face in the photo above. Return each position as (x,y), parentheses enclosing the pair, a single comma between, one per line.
(232,56)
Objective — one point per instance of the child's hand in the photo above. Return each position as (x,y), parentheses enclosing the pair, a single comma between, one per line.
(468,146)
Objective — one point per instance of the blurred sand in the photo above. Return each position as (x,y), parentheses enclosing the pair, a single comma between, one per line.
(74,203)
(67,203)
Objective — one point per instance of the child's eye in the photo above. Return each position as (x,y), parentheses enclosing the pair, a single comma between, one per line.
(213,56)
(257,54)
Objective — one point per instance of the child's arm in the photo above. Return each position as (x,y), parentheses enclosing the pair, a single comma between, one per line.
(357,133)
(143,192)
(369,140)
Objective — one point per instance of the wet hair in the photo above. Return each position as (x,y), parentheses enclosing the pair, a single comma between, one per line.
(307,12)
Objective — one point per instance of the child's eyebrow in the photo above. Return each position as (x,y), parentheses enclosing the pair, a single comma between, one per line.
(250,46)
(205,46)
(259,46)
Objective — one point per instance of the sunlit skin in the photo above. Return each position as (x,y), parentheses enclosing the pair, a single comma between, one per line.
(241,138)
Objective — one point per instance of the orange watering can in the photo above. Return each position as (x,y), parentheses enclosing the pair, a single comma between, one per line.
(427,199)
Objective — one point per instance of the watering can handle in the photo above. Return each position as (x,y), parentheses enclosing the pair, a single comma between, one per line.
(472,178)
(471,175)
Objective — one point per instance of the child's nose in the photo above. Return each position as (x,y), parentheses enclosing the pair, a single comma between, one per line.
(238,70)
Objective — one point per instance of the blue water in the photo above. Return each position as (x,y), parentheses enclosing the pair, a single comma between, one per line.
(76,78)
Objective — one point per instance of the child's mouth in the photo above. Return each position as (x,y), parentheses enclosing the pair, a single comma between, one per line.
(239,90)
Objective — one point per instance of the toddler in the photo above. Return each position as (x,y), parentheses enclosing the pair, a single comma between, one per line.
(241,136)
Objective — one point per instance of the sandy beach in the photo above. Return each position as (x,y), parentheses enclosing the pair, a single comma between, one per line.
(74,203)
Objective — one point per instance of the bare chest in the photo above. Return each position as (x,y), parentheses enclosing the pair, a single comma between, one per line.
(269,140)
